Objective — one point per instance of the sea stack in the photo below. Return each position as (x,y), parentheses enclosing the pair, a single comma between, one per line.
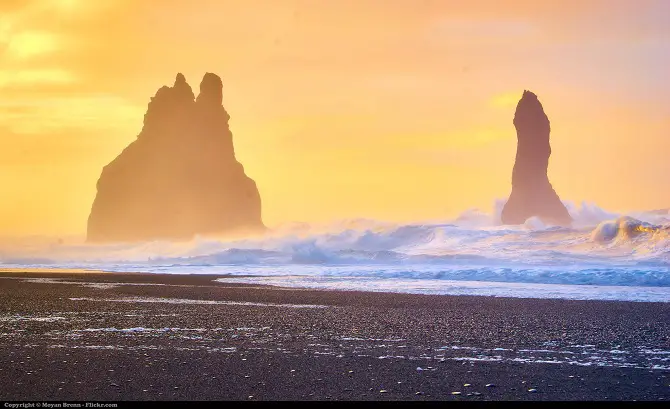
(179,178)
(532,194)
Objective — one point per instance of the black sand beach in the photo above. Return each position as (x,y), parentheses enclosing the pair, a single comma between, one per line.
(103,336)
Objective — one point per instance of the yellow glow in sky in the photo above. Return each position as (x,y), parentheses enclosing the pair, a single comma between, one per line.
(20,78)
(28,44)
(67,4)
(505,100)
(389,109)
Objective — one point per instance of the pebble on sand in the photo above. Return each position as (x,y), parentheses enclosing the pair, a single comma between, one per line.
(532,390)
(490,385)
(455,393)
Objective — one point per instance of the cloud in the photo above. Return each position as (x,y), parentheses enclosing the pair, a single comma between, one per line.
(9,6)
(27,44)
(25,78)
(90,113)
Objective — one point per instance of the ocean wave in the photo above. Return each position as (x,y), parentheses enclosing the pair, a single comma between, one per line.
(600,248)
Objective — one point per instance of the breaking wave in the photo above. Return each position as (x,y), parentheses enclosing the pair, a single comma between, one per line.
(601,248)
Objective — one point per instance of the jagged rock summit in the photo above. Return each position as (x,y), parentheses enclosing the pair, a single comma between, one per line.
(532,194)
(179,178)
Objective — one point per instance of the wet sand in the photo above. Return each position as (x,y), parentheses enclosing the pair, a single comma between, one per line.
(109,336)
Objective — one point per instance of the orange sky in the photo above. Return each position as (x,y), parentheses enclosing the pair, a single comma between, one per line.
(389,109)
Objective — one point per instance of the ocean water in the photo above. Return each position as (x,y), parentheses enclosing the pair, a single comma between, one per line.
(604,255)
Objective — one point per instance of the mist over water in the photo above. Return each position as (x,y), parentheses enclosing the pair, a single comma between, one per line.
(604,255)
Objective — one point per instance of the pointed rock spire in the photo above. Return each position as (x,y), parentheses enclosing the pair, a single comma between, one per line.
(532,194)
(181,87)
(179,178)
(211,90)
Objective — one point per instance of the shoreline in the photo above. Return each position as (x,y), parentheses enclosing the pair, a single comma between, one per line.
(655,294)
(188,337)
(55,270)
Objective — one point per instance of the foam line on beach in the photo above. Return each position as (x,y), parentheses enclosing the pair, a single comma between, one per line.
(195,302)
(456,287)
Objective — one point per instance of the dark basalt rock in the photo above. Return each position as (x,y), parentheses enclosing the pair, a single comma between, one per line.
(179,177)
(532,194)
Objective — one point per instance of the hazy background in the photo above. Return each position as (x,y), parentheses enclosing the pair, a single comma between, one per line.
(389,109)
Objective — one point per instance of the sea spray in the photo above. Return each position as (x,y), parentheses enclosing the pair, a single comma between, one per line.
(601,248)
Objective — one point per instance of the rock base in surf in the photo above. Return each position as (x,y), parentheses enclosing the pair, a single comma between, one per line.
(532,194)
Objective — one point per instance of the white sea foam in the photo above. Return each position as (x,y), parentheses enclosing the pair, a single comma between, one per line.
(194,302)
(11,318)
(585,355)
(604,255)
